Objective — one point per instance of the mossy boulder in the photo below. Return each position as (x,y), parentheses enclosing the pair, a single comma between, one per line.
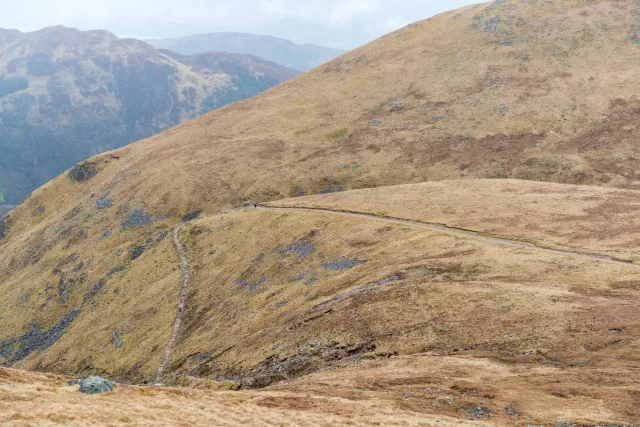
(95,385)
(83,172)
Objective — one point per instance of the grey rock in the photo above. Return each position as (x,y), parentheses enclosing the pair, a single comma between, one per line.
(476,411)
(511,410)
(332,189)
(343,263)
(191,216)
(298,278)
(137,218)
(95,290)
(3,227)
(301,249)
(311,280)
(104,202)
(137,251)
(83,172)
(95,385)
(17,349)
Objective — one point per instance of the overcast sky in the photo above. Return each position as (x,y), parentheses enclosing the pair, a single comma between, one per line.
(336,23)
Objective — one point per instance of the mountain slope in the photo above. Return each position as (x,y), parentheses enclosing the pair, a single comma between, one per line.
(66,95)
(542,108)
(91,279)
(280,294)
(292,55)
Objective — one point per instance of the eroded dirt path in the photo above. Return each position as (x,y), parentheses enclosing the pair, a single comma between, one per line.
(456,232)
(183,294)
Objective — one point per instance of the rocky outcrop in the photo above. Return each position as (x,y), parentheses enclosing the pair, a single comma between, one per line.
(4,227)
(96,385)
(83,172)
(34,340)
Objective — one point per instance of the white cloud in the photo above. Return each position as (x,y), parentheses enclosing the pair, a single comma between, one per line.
(344,12)
(338,23)
(291,9)
(396,22)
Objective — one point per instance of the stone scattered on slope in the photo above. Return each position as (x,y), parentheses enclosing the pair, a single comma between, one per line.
(95,385)
(83,172)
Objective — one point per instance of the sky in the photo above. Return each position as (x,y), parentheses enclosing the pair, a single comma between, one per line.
(344,24)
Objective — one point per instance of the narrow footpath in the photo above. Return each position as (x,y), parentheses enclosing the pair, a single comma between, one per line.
(181,299)
(438,228)
(457,232)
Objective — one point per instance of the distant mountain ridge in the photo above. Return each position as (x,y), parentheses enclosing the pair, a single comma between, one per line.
(300,57)
(66,95)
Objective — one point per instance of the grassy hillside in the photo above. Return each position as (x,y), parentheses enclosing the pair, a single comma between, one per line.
(90,280)
(441,99)
(581,218)
(280,294)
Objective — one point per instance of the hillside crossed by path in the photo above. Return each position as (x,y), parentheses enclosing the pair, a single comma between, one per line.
(183,293)
(438,228)
(461,233)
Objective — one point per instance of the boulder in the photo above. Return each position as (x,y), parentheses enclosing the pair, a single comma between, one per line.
(83,172)
(94,385)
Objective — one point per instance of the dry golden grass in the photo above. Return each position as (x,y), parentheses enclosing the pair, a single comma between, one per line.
(434,280)
(440,99)
(413,390)
(520,301)
(582,218)
(29,399)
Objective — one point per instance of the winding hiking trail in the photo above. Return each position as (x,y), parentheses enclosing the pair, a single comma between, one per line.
(458,232)
(438,228)
(183,293)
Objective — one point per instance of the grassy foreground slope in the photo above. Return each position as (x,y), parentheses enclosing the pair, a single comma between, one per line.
(414,390)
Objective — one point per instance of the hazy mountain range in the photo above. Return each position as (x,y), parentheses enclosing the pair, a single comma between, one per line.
(300,57)
(66,95)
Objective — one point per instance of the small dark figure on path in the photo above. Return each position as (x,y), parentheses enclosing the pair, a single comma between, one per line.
(255,206)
